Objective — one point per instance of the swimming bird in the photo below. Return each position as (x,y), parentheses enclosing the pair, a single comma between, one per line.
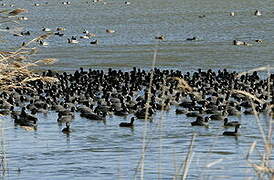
(124,124)
(110,31)
(66,130)
(59,34)
(46,29)
(232,133)
(60,29)
(161,37)
(257,13)
(192,39)
(43,43)
(200,121)
(72,41)
(94,42)
(232,123)
(84,37)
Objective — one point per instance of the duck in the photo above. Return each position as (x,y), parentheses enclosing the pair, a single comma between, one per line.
(59,34)
(46,29)
(94,42)
(110,31)
(257,13)
(232,133)
(64,118)
(232,123)
(181,111)
(60,29)
(66,130)
(93,116)
(238,43)
(219,116)
(43,43)
(161,37)
(259,40)
(26,116)
(22,18)
(84,37)
(232,13)
(192,39)
(124,124)
(24,119)
(200,121)
(72,41)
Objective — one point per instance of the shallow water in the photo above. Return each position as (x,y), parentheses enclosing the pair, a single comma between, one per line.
(105,151)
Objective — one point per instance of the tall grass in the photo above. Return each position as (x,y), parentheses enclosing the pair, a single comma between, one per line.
(15,72)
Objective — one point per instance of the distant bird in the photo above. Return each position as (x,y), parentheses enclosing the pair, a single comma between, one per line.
(232,123)
(25,33)
(200,121)
(43,43)
(84,37)
(72,41)
(59,34)
(257,13)
(85,31)
(60,29)
(110,31)
(66,130)
(232,13)
(192,39)
(46,29)
(94,42)
(232,133)
(124,124)
(161,37)
(259,40)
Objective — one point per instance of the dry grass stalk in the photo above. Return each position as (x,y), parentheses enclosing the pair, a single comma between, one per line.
(185,165)
(146,116)
(44,79)
(17,11)
(46,61)
(263,167)
(14,66)
(214,163)
(264,68)
(182,84)
(248,95)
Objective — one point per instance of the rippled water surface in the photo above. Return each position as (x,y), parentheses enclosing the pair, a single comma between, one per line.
(96,150)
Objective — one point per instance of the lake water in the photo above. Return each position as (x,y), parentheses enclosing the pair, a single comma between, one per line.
(95,150)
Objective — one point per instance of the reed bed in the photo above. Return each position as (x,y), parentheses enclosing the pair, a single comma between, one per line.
(16,72)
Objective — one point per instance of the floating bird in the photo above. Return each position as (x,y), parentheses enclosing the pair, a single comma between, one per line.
(200,121)
(60,29)
(232,133)
(124,124)
(43,43)
(72,41)
(232,123)
(192,39)
(84,37)
(46,29)
(66,130)
(257,13)
(94,42)
(161,37)
(110,31)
